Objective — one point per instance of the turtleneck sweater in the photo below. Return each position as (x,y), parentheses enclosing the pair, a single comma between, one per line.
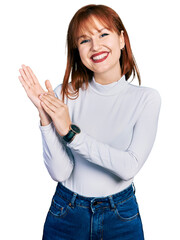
(118,123)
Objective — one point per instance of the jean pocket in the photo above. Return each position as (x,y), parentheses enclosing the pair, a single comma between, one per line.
(59,206)
(128,209)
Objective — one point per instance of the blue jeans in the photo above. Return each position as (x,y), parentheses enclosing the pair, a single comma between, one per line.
(75,217)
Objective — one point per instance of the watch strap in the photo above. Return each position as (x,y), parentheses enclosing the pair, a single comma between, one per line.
(74,129)
(69,136)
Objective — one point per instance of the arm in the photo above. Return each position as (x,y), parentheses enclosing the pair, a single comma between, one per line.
(57,158)
(124,164)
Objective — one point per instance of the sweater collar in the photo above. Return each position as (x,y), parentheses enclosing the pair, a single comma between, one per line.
(108,89)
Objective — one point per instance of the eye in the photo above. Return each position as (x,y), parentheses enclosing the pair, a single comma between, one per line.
(84,41)
(104,34)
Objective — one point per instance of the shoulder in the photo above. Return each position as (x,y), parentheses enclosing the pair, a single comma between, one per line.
(147,94)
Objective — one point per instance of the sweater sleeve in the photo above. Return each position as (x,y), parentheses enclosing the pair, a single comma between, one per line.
(124,164)
(58,159)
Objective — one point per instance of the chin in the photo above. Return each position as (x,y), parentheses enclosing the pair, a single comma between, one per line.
(101,70)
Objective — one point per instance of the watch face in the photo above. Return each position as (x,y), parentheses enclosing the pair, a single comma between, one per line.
(75,128)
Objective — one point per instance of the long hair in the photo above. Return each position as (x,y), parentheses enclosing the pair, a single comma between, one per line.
(82,20)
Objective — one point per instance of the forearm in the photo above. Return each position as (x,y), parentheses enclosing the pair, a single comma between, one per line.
(45,119)
(124,164)
(58,161)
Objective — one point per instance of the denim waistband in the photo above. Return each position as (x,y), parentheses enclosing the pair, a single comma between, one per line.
(75,198)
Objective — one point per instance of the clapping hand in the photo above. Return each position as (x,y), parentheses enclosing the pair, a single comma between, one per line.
(31,85)
(33,89)
(50,107)
(58,111)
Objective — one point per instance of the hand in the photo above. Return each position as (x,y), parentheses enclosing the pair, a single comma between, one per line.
(58,111)
(32,87)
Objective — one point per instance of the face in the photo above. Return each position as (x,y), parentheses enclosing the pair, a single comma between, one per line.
(100,51)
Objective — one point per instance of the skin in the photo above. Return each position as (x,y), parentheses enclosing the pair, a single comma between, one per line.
(109,70)
(53,109)
(50,108)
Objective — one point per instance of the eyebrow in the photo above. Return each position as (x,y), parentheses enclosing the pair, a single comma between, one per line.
(84,36)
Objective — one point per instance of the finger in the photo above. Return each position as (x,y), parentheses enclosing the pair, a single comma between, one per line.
(49,100)
(23,75)
(32,75)
(27,74)
(49,87)
(24,84)
(54,100)
(47,109)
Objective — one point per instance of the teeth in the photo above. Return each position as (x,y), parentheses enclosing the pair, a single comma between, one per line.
(100,56)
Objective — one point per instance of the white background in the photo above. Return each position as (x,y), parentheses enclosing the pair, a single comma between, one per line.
(33,32)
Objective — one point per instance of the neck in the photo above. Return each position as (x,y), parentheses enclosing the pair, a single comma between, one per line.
(108,77)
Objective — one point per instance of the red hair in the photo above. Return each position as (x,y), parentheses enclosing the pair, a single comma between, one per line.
(83,21)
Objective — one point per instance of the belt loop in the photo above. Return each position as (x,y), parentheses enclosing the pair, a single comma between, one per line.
(111,202)
(71,204)
(134,189)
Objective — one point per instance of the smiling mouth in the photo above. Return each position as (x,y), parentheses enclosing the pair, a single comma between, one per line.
(99,57)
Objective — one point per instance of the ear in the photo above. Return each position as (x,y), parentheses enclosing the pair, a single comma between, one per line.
(121,39)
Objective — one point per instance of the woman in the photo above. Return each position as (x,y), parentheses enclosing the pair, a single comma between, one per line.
(95,143)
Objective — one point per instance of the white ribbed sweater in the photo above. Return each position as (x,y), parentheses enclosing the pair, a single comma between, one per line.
(118,123)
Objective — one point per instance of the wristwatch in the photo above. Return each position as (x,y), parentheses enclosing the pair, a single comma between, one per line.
(73,130)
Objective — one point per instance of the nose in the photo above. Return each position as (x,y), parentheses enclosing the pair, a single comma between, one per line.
(95,45)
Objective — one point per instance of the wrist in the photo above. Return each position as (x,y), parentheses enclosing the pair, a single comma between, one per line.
(73,130)
(45,119)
